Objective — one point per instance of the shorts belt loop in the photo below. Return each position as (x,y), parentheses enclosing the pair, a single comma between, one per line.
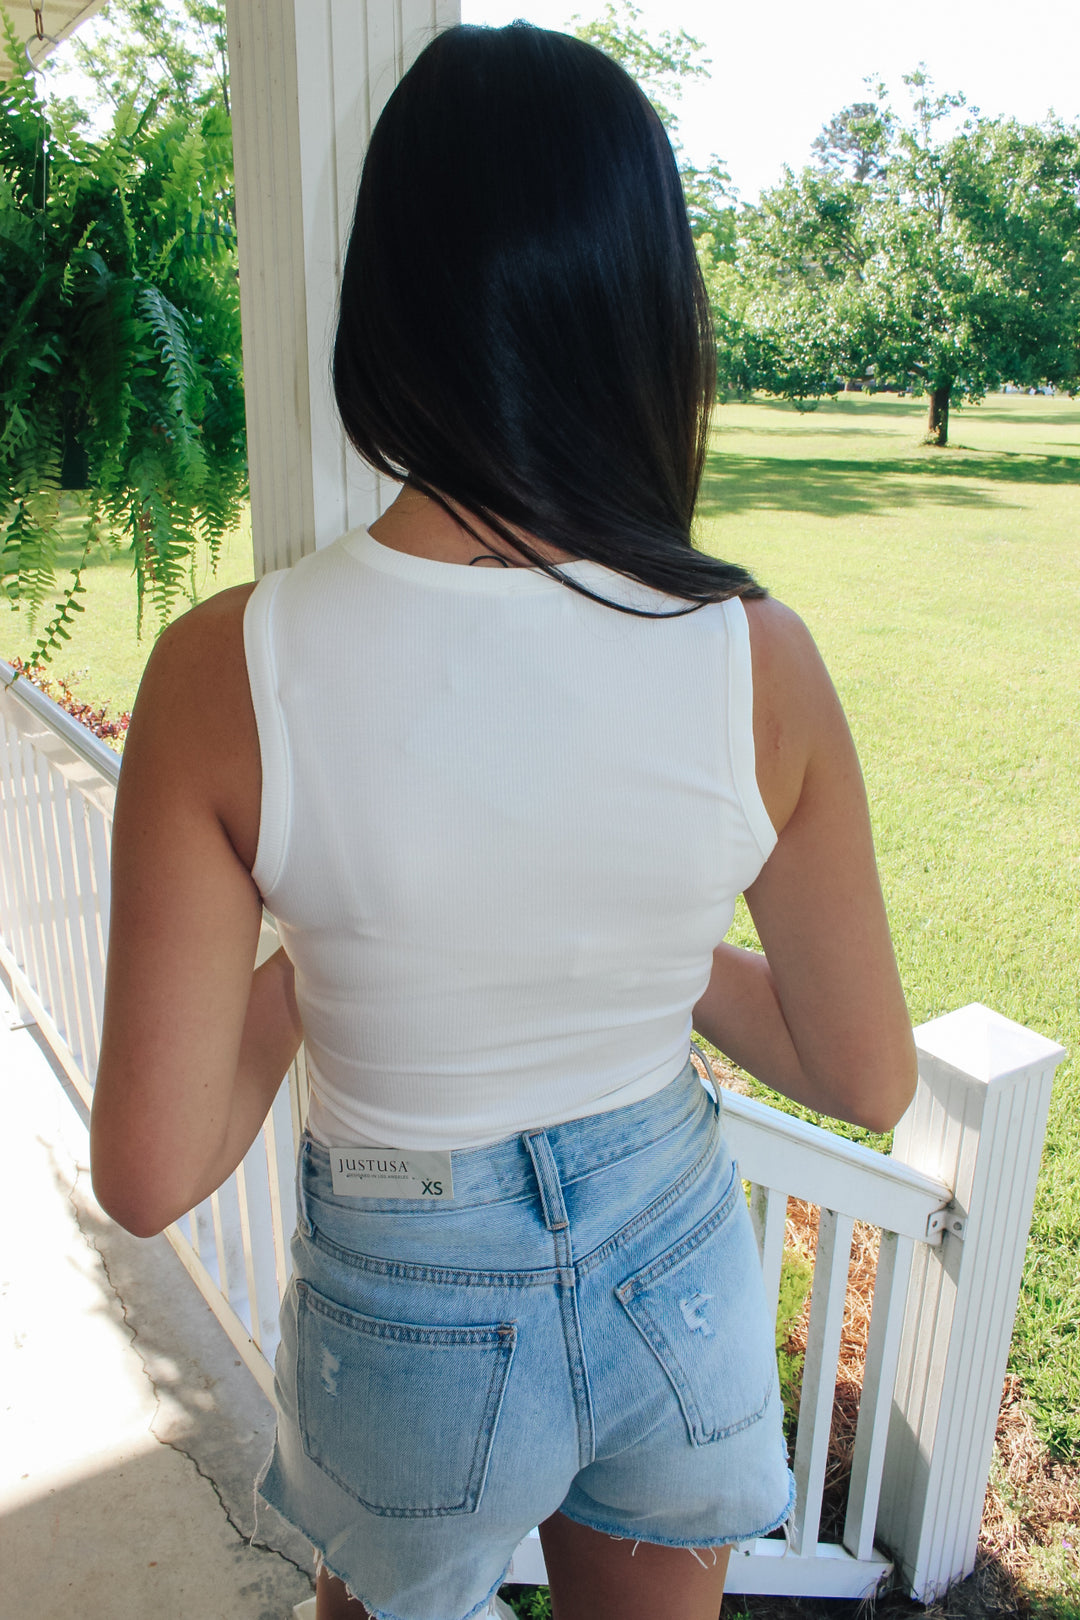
(547,1178)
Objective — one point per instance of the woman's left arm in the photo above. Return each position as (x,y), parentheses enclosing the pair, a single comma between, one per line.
(194,1043)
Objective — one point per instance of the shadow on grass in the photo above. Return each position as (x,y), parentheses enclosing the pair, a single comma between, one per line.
(819,429)
(1058,419)
(834,488)
(852,406)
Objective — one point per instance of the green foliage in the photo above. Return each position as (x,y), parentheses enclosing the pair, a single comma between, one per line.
(528,1602)
(915,252)
(796,1276)
(104,661)
(135,50)
(120,369)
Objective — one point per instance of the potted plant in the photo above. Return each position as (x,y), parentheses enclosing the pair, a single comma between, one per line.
(121,393)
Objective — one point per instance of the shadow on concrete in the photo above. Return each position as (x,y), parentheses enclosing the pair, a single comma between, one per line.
(71,1551)
(210,1407)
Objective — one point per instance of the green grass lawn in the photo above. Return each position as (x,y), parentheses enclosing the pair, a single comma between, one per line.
(943,587)
(104,659)
(944,590)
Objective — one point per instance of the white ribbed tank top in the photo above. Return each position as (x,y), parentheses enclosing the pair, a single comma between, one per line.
(502,830)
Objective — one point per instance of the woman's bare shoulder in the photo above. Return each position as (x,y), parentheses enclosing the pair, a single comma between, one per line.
(211,626)
(193,719)
(796,710)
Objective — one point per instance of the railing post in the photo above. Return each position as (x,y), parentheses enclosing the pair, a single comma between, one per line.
(977,1122)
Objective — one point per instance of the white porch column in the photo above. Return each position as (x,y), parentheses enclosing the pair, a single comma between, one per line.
(977,1123)
(309,78)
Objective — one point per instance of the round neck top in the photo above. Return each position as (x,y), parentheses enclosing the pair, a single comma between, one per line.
(502,830)
(511,580)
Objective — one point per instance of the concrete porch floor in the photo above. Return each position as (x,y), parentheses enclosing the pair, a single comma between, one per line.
(130,1433)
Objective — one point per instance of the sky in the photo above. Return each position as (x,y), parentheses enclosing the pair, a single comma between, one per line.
(781,68)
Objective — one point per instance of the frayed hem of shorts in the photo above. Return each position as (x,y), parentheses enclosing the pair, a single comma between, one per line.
(322,1562)
(694,1547)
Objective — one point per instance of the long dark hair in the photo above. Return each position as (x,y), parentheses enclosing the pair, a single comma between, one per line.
(524,334)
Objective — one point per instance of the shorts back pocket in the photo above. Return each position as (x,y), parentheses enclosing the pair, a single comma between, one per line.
(402,1417)
(700,1307)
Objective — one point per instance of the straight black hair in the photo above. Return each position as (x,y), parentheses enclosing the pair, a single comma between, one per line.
(524,334)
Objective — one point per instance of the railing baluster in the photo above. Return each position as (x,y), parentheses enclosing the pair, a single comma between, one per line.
(93,962)
(99,832)
(204,1241)
(7,850)
(63,1005)
(875,1402)
(67,921)
(220,1252)
(30,898)
(282,1168)
(768,1211)
(101,867)
(39,879)
(819,1373)
(259,1247)
(234,1260)
(12,882)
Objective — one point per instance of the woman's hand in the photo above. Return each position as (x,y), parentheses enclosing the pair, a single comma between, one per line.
(821,1016)
(194,1045)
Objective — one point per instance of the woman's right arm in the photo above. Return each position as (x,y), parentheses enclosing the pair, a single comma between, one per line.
(821,1015)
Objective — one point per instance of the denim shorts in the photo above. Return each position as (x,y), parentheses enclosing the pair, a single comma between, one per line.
(583,1330)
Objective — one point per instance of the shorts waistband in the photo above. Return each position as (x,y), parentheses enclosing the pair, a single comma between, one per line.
(574,1149)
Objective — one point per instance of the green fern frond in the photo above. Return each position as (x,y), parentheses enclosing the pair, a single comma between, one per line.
(68,276)
(58,629)
(171,338)
(161,263)
(180,188)
(32,542)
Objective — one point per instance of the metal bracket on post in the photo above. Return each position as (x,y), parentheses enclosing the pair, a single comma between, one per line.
(946,1221)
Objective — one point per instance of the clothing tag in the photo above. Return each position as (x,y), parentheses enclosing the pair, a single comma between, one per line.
(367,1172)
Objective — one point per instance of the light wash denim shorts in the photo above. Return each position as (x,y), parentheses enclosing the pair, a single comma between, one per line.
(582,1330)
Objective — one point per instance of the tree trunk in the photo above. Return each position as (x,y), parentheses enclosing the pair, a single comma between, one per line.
(937,416)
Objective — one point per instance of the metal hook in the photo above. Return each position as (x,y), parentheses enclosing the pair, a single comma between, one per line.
(43,39)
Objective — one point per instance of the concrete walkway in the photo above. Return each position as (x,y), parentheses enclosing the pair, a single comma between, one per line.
(130,1433)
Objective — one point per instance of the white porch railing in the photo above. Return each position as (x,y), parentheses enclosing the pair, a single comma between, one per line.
(953,1204)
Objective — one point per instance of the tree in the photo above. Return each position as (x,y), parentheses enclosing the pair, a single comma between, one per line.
(857,139)
(944,259)
(120,369)
(141,50)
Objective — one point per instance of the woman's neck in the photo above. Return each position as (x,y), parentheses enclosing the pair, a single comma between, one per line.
(416,524)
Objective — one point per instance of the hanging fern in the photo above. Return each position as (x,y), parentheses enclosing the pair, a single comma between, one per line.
(119,347)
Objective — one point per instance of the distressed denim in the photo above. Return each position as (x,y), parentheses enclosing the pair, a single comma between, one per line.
(582,1329)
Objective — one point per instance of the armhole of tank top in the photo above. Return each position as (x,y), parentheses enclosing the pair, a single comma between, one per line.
(741,727)
(275,802)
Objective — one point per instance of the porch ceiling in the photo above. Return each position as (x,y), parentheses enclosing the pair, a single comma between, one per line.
(59,19)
